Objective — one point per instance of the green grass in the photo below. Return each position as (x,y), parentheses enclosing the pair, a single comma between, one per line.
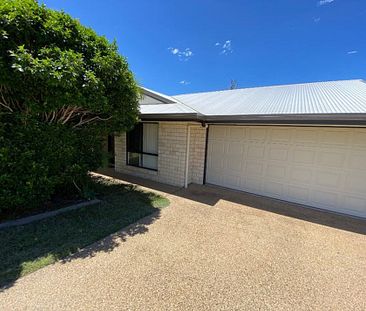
(25,249)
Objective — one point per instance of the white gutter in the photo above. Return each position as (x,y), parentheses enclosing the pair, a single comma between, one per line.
(187,157)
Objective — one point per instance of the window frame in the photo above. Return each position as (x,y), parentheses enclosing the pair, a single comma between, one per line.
(141,153)
(111,150)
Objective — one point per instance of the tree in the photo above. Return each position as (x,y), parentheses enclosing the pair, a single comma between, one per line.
(59,71)
(233,84)
(62,88)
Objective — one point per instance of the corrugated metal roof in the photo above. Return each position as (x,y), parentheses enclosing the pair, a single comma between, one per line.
(158,109)
(334,97)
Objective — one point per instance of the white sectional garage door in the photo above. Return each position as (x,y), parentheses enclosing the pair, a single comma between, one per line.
(320,167)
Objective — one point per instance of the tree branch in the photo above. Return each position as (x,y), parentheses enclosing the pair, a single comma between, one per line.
(96,118)
(4,103)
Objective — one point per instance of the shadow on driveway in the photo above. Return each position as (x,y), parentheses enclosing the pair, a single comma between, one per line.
(112,241)
(211,195)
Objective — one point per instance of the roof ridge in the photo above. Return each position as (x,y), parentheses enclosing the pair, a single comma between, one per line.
(180,102)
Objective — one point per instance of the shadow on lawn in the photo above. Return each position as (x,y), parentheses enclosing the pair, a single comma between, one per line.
(28,248)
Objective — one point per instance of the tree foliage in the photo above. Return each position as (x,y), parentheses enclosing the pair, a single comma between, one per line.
(62,88)
(39,159)
(59,71)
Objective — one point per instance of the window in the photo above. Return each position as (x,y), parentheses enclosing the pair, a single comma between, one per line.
(110,146)
(142,146)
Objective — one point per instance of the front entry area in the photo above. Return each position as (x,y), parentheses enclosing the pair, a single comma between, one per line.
(322,167)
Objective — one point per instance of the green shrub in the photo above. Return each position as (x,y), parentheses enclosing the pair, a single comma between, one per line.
(38,159)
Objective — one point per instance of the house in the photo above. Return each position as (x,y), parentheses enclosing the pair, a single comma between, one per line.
(303,143)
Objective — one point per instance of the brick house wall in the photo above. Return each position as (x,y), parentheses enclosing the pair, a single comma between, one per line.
(197,154)
(172,147)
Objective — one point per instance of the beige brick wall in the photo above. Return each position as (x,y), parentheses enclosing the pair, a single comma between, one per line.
(172,154)
(197,154)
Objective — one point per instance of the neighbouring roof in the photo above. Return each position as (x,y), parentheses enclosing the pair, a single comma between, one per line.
(156,104)
(308,101)
(150,97)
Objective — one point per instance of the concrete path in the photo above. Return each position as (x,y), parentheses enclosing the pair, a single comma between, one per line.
(212,249)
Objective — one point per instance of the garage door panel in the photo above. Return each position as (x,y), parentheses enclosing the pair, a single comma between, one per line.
(355,183)
(359,138)
(232,181)
(275,171)
(235,148)
(334,137)
(321,167)
(216,162)
(236,133)
(215,175)
(217,147)
(304,155)
(328,179)
(274,189)
(279,153)
(356,204)
(324,198)
(217,132)
(280,135)
(257,133)
(253,169)
(233,165)
(253,185)
(301,175)
(305,136)
(331,158)
(298,193)
(357,159)
(255,151)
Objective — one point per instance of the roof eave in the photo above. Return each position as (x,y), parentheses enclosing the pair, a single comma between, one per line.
(319,119)
(171,117)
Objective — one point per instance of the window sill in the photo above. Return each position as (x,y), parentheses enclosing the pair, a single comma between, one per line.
(142,168)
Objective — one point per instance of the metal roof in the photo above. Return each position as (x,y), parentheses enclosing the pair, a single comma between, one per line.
(308,101)
(308,98)
(166,109)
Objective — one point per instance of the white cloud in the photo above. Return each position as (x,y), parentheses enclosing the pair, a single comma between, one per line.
(225,47)
(175,51)
(183,55)
(352,52)
(316,19)
(184,82)
(323,2)
(187,52)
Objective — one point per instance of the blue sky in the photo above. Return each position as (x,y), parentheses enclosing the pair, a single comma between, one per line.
(188,46)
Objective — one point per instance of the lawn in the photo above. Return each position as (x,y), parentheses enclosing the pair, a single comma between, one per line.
(25,249)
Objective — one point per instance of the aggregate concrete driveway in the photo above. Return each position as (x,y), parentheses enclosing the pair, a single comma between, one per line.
(212,249)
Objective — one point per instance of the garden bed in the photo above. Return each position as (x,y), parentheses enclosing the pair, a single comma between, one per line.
(58,201)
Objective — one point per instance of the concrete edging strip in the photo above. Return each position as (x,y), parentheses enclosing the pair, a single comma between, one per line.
(28,220)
